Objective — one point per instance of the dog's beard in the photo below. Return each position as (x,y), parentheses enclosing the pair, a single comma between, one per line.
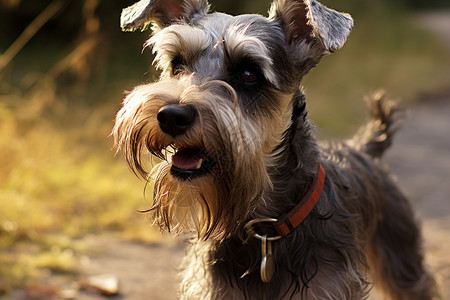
(181,205)
(216,203)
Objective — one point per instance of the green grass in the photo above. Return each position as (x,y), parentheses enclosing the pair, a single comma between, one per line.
(60,180)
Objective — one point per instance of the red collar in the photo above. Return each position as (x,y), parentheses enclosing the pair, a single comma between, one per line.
(286,223)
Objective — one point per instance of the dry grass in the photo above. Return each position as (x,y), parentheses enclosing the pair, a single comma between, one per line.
(60,181)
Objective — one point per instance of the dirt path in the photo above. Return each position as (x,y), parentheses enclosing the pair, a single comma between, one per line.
(145,272)
(437,22)
(420,158)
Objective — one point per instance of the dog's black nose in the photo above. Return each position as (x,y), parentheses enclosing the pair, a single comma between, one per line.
(174,119)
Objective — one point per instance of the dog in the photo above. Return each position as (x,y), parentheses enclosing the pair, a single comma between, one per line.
(275,214)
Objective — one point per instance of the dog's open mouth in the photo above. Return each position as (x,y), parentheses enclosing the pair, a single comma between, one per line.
(189,163)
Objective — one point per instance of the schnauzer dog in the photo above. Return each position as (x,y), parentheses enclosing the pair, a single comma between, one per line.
(276,214)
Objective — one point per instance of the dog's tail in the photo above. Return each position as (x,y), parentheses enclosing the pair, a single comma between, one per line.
(386,118)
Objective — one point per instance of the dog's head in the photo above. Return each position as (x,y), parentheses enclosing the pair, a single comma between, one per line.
(221,106)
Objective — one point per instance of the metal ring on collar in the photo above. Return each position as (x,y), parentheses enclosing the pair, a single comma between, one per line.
(251,231)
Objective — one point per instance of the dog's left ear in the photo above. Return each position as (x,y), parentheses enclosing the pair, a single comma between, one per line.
(309,21)
(161,12)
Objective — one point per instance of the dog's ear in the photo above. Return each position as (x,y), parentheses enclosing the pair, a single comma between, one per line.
(161,12)
(310,21)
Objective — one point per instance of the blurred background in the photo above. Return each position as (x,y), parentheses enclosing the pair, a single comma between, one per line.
(64,67)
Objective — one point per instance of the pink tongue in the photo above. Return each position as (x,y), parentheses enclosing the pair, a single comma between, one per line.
(186,158)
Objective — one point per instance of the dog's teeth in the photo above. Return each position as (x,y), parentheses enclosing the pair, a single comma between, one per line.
(199,165)
(167,155)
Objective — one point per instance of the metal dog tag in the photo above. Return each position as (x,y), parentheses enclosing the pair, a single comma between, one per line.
(267,263)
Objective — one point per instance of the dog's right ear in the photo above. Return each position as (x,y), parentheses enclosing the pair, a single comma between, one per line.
(310,22)
(160,12)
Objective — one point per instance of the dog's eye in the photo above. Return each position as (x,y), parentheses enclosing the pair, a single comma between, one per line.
(178,69)
(248,77)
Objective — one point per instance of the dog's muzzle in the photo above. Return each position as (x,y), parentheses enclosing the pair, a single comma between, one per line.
(187,163)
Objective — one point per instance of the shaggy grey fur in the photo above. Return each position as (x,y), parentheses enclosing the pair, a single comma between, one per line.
(229,122)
